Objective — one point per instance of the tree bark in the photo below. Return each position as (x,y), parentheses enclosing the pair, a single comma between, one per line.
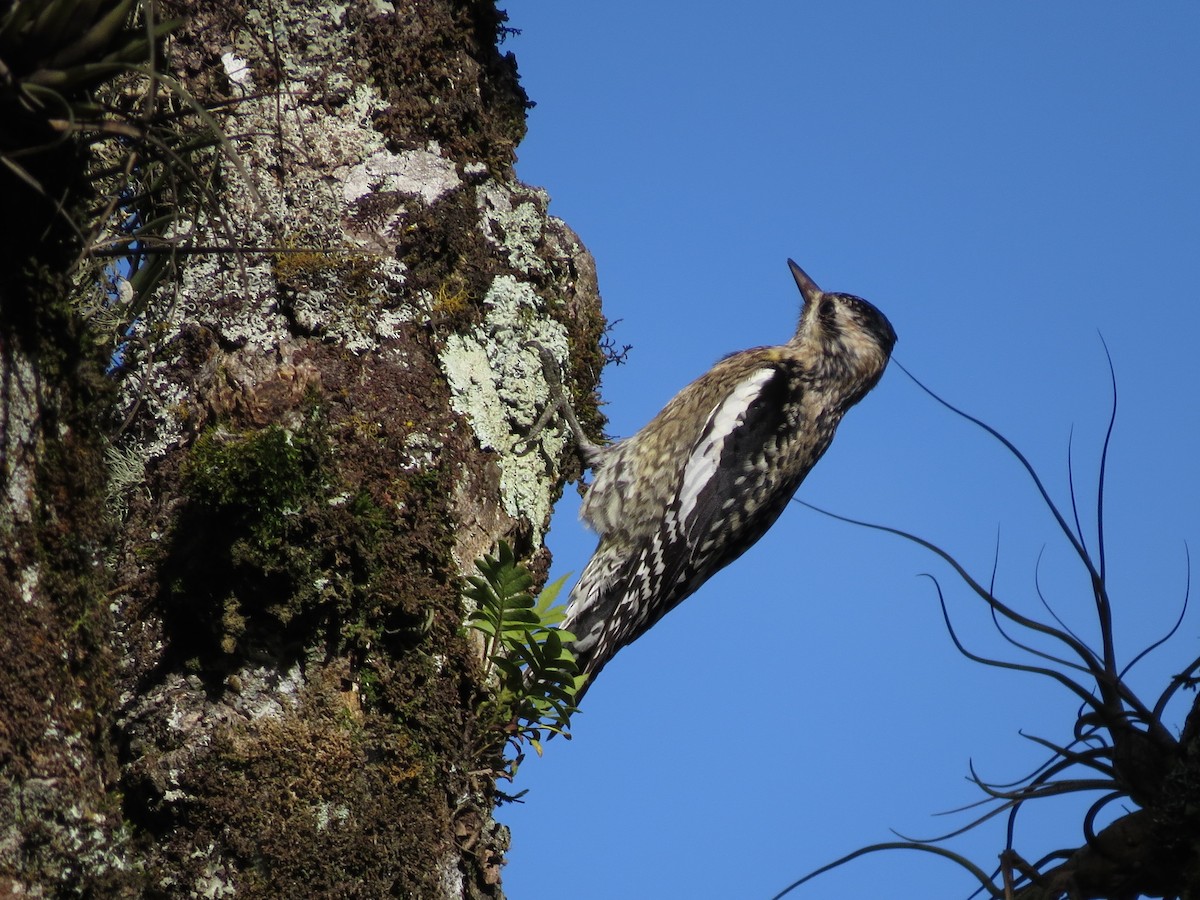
(233,663)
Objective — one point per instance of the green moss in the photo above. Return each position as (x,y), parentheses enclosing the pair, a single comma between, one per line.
(299,269)
(275,554)
(481,119)
(242,566)
(315,799)
(254,479)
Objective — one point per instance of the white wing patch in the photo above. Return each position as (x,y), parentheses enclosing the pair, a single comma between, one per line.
(722,421)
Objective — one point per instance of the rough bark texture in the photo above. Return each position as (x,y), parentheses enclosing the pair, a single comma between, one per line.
(232,663)
(231,658)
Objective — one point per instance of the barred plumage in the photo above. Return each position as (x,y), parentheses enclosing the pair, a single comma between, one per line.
(705,479)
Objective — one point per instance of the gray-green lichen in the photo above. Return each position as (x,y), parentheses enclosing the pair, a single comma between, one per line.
(371,258)
(498,384)
(18,439)
(63,830)
(513,218)
(216,880)
(317,248)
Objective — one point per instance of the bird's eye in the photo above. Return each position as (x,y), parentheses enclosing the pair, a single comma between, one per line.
(826,310)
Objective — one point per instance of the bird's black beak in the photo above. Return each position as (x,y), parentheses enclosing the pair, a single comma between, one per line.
(808,287)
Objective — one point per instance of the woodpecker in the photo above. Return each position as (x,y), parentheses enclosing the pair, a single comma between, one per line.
(705,479)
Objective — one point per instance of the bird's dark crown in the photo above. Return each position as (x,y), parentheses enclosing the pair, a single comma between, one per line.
(867,316)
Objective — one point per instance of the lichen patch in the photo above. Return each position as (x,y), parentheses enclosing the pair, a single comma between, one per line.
(419,173)
(498,384)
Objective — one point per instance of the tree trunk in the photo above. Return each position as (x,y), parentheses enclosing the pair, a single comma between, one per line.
(233,663)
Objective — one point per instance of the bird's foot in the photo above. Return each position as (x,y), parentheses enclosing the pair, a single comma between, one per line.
(552,372)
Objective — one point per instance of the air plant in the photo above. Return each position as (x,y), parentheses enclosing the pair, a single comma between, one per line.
(1120,747)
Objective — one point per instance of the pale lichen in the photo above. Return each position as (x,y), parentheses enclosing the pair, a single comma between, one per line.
(346,284)
(216,877)
(19,447)
(80,835)
(420,173)
(264,692)
(450,880)
(326,813)
(126,471)
(28,582)
(496,382)
(513,218)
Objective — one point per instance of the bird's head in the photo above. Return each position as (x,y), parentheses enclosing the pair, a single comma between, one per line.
(846,335)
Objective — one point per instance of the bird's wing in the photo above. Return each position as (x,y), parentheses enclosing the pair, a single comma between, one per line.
(724,503)
(725,479)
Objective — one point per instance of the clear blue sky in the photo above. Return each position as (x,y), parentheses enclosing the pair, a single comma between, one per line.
(1006,180)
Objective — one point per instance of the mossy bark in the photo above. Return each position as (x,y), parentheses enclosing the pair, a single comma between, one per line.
(233,662)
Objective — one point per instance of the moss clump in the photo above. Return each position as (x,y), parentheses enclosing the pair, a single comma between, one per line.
(347,273)
(243,565)
(283,550)
(253,480)
(319,801)
(450,83)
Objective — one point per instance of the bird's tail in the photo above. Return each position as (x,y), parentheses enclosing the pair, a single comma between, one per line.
(607,608)
(590,611)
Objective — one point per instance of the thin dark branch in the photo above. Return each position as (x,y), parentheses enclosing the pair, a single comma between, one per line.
(149,246)
(1080,649)
(1186,678)
(1089,820)
(995,564)
(1112,419)
(1032,651)
(1063,854)
(1080,551)
(1062,679)
(974,776)
(1006,799)
(1037,583)
(1000,627)
(1071,486)
(1099,586)
(1036,784)
(1052,789)
(965,863)
(1179,621)
(1088,758)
